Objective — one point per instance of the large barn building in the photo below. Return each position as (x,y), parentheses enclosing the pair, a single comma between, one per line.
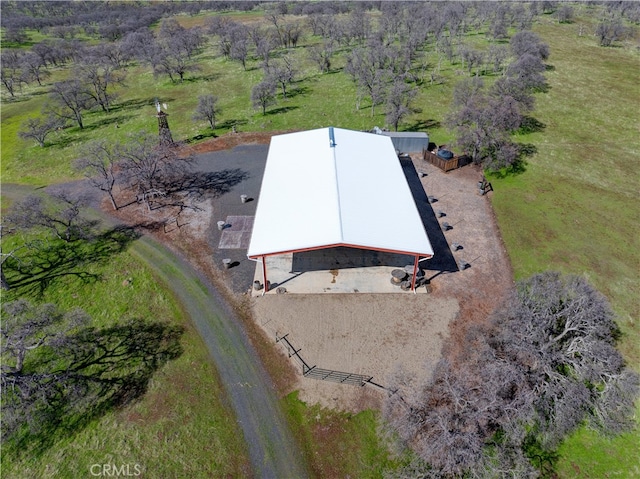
(333,187)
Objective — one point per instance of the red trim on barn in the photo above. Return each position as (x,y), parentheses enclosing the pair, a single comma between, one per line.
(415,274)
(264,275)
(415,263)
(346,245)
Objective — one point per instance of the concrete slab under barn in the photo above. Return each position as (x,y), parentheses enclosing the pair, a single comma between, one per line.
(334,270)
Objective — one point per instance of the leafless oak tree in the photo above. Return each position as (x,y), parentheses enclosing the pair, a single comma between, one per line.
(38,128)
(71,100)
(154,172)
(543,365)
(58,370)
(60,214)
(263,95)
(207,109)
(99,164)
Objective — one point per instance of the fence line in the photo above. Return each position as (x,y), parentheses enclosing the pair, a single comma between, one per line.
(315,372)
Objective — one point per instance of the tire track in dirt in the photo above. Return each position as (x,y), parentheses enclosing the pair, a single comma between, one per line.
(272,449)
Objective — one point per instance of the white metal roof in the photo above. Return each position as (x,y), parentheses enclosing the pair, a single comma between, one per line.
(315,195)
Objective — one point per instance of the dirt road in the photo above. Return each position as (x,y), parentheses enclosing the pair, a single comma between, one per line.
(272,449)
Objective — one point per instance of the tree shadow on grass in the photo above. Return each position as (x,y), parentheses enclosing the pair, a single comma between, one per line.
(112,120)
(19,98)
(519,166)
(531,125)
(420,125)
(47,262)
(199,78)
(202,136)
(298,90)
(282,109)
(229,124)
(333,71)
(75,135)
(82,377)
(65,141)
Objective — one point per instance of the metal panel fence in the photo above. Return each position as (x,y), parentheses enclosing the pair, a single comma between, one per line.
(314,372)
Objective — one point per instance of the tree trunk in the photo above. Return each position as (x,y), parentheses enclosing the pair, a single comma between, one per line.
(4,284)
(113,201)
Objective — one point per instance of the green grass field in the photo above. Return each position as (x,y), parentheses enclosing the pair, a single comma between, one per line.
(575,208)
(340,444)
(572,209)
(182,426)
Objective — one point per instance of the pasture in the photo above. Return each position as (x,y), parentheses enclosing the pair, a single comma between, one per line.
(572,207)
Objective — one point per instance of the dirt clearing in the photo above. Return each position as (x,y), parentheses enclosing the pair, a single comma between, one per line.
(380,334)
(370,334)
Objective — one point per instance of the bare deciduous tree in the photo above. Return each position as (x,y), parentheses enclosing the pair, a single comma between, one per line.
(85,371)
(321,55)
(61,215)
(499,24)
(496,57)
(265,42)
(544,363)
(98,74)
(25,329)
(39,128)
(175,49)
(71,100)
(569,330)
(281,73)
(358,26)
(565,14)
(610,30)
(240,50)
(153,171)
(291,34)
(207,109)
(483,125)
(472,57)
(99,165)
(263,95)
(33,68)
(372,68)
(11,74)
(398,102)
(528,72)
(528,42)
(141,45)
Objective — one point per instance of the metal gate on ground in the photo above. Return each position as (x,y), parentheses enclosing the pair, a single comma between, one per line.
(321,374)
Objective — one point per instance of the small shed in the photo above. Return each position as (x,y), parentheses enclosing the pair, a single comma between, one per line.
(406,141)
